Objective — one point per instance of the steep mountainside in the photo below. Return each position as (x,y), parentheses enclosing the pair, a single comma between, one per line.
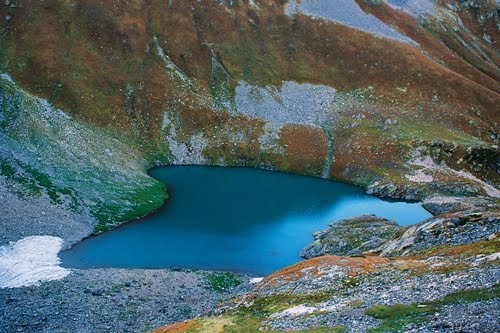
(362,91)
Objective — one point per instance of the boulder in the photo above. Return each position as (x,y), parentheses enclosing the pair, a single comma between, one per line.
(352,236)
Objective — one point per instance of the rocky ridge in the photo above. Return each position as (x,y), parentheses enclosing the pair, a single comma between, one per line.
(352,236)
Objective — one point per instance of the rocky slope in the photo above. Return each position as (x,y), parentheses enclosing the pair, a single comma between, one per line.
(422,281)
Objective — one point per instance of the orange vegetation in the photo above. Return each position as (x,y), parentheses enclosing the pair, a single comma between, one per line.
(175,328)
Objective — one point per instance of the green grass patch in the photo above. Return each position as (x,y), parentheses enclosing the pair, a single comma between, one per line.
(116,288)
(263,307)
(472,295)
(247,324)
(54,192)
(34,182)
(141,202)
(13,176)
(397,317)
(130,310)
(222,281)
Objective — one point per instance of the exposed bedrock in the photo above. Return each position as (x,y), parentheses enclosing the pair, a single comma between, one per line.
(460,228)
(457,221)
(352,236)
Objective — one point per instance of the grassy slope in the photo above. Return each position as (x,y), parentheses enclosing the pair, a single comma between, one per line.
(396,317)
(100,64)
(248,313)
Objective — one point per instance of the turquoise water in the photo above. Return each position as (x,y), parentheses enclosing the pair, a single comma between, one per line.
(236,219)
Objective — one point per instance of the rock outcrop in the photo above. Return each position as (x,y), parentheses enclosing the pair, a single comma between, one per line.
(454,290)
(444,230)
(443,205)
(352,236)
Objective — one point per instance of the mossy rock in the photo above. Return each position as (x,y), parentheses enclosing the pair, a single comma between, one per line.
(352,236)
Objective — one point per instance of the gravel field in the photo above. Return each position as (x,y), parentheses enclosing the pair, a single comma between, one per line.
(109,300)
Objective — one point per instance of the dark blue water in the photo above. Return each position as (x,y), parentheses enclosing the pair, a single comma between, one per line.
(236,219)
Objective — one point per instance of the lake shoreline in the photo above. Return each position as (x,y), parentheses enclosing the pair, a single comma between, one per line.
(210,221)
(39,308)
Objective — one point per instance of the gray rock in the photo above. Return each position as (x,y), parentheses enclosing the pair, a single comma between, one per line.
(98,300)
(443,205)
(352,236)
(395,191)
(444,230)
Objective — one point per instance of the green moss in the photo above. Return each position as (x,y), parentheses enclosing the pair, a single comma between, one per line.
(418,130)
(28,186)
(116,288)
(54,192)
(130,310)
(222,88)
(222,281)
(357,303)
(6,169)
(247,324)
(128,206)
(265,306)
(473,295)
(397,317)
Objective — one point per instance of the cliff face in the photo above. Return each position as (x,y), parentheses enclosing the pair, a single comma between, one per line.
(275,85)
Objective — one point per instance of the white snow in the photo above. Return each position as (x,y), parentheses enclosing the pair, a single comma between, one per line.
(296,311)
(256,280)
(31,261)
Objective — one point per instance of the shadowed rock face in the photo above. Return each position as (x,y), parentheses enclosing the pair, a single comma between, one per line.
(352,236)
(297,87)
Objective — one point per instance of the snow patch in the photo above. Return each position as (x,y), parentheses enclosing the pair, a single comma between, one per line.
(296,311)
(256,280)
(31,261)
